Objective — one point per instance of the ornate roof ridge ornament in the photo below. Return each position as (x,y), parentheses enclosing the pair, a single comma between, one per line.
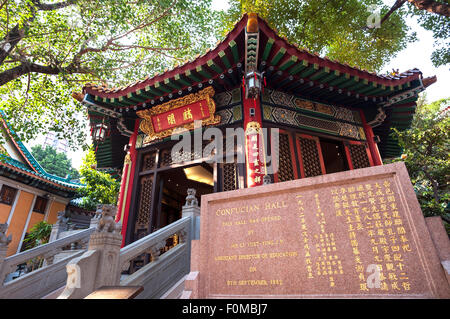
(252,78)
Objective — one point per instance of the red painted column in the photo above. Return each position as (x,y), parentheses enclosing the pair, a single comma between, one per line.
(370,140)
(126,186)
(254,143)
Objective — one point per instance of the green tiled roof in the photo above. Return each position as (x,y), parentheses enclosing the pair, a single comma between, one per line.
(35,169)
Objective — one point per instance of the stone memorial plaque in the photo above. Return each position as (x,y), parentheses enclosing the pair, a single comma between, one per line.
(357,233)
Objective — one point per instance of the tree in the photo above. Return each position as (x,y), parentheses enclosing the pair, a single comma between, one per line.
(100,187)
(338,29)
(427,157)
(432,16)
(50,48)
(54,162)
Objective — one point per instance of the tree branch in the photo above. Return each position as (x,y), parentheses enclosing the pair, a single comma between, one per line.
(396,5)
(427,5)
(10,41)
(437,7)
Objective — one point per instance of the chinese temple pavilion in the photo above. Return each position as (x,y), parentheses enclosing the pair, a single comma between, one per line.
(331,117)
(28,194)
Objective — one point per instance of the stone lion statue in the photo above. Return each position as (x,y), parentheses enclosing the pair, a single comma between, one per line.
(3,239)
(267,180)
(191,200)
(106,222)
(62,219)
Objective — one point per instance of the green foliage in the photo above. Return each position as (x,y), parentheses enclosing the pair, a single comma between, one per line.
(39,234)
(440,26)
(427,156)
(336,29)
(100,187)
(62,48)
(54,162)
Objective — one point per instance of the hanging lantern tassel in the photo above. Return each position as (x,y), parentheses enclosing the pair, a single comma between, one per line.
(243,86)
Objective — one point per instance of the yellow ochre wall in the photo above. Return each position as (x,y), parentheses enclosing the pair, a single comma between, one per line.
(18,220)
(53,212)
(20,216)
(4,213)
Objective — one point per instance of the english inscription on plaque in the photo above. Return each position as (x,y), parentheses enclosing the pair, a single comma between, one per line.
(351,234)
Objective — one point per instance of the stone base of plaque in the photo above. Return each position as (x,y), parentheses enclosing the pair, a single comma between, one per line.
(353,234)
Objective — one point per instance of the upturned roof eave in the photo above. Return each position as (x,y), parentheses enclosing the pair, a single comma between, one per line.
(301,54)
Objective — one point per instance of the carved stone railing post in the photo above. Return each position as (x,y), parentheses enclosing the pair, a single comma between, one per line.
(100,265)
(4,242)
(59,226)
(95,219)
(192,209)
(107,239)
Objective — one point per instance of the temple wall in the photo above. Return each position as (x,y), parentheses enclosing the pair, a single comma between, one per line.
(19,220)
(4,213)
(53,212)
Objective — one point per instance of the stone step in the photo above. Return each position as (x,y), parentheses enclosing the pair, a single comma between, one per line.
(175,291)
(54,294)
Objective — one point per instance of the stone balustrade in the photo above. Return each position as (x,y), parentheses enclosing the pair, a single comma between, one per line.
(49,276)
(104,262)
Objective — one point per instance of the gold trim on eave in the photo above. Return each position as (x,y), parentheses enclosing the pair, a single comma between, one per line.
(146,125)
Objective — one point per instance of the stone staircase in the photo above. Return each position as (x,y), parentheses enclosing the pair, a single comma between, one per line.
(79,262)
(49,272)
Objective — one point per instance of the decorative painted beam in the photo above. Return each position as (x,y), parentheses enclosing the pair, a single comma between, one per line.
(214,66)
(124,100)
(371,87)
(181,80)
(350,82)
(224,59)
(202,71)
(359,85)
(153,91)
(341,79)
(145,94)
(191,76)
(161,87)
(234,50)
(172,84)
(312,68)
(135,98)
(298,67)
(278,56)
(292,60)
(267,49)
(320,74)
(331,76)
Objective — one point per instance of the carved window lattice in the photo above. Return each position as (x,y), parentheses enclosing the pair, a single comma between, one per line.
(149,161)
(310,157)
(145,202)
(359,156)
(285,169)
(166,158)
(229,176)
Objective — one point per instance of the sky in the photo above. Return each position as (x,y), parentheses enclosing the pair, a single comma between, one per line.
(415,55)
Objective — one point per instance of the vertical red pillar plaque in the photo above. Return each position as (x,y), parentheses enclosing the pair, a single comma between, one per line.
(254,143)
(127,183)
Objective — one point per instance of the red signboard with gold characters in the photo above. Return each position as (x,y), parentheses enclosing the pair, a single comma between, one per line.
(162,120)
(256,163)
